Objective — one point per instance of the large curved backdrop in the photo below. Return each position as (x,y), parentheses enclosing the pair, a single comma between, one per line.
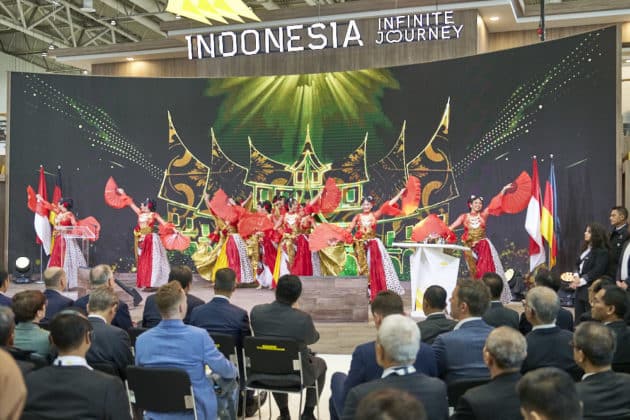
(465,126)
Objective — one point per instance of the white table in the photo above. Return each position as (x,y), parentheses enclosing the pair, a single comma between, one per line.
(429,266)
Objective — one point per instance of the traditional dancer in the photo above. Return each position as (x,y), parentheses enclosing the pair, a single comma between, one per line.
(483,258)
(261,246)
(372,257)
(66,253)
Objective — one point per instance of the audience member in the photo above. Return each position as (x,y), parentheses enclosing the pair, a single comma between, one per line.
(103,275)
(56,282)
(498,315)
(29,307)
(363,366)
(618,236)
(604,393)
(564,320)
(595,287)
(110,345)
(182,274)
(13,394)
(609,306)
(7,335)
(548,394)
(70,389)
(4,286)
(459,353)
(547,344)
(176,345)
(397,342)
(433,306)
(503,353)
(282,319)
(390,404)
(221,316)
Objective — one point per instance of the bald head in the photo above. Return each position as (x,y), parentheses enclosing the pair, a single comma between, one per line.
(100,275)
(55,278)
(543,305)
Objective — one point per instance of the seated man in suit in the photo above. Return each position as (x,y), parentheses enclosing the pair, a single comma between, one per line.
(547,344)
(221,316)
(459,353)
(103,275)
(151,315)
(503,353)
(604,393)
(282,319)
(564,320)
(56,282)
(363,366)
(397,342)
(70,389)
(4,286)
(390,404)
(436,323)
(548,394)
(111,344)
(174,344)
(497,314)
(609,306)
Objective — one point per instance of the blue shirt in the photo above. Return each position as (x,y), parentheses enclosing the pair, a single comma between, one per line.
(174,344)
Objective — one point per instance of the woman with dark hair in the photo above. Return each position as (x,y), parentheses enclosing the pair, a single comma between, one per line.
(65,253)
(151,259)
(592,263)
(372,257)
(29,307)
(483,257)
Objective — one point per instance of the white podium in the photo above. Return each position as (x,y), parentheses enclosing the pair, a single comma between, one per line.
(429,266)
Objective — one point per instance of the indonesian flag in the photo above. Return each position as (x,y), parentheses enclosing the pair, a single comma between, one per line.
(41,223)
(532,222)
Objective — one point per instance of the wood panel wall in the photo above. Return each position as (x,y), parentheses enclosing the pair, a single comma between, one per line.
(354,58)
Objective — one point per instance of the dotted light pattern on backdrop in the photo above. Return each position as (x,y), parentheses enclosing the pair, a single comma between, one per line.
(518,115)
(97,127)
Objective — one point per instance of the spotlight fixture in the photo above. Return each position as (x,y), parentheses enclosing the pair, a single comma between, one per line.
(88,6)
(22,268)
(112,22)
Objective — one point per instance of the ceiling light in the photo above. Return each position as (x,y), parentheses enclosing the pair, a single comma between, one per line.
(44,54)
(130,58)
(112,22)
(84,72)
(51,47)
(627,60)
(494,18)
(88,6)
(178,17)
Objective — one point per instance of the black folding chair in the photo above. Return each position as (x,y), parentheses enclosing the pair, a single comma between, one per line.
(163,390)
(456,389)
(105,367)
(275,364)
(134,332)
(226,344)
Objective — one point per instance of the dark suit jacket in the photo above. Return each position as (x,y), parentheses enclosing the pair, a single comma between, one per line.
(622,333)
(495,400)
(5,300)
(110,344)
(122,318)
(220,316)
(564,320)
(55,302)
(498,315)
(549,347)
(459,353)
(74,392)
(280,320)
(363,366)
(618,238)
(431,392)
(595,265)
(151,315)
(434,325)
(605,395)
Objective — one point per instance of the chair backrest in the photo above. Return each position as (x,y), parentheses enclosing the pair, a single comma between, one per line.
(271,355)
(105,367)
(621,367)
(160,389)
(456,389)
(134,332)
(226,344)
